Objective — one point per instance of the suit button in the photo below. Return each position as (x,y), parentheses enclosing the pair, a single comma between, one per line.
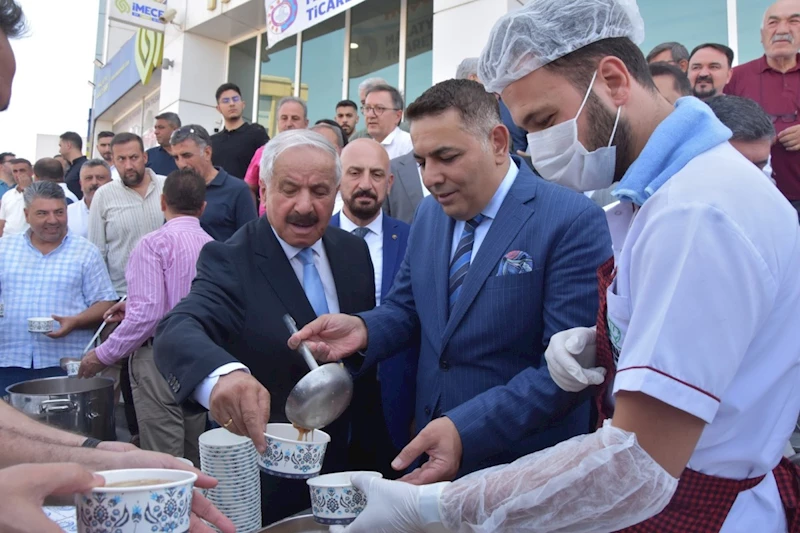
(444,365)
(428,411)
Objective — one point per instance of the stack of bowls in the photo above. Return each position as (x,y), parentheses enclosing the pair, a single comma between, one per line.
(232,460)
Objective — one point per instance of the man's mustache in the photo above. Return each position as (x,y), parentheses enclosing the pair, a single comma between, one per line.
(365,194)
(701,79)
(302,220)
(783,37)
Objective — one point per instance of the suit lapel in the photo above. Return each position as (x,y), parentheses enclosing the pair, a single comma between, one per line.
(511,218)
(409,180)
(341,272)
(335,220)
(275,266)
(390,246)
(443,241)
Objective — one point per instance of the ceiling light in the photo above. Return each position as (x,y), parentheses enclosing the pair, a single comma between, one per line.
(353,46)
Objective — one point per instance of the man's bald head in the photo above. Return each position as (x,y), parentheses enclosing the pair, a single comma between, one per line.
(366,180)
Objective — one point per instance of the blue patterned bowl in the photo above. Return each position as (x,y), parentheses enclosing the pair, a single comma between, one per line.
(288,457)
(334,499)
(162,507)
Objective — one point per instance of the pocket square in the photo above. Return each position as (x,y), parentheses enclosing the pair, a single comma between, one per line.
(515,262)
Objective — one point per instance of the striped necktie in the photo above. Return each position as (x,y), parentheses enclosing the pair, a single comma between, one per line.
(461,260)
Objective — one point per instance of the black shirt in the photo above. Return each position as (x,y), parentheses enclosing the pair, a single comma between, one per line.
(233,150)
(229,206)
(73,177)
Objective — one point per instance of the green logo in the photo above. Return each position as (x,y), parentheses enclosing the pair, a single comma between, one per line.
(123,6)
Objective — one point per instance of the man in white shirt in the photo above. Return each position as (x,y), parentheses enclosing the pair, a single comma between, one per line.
(383,109)
(94,174)
(383,405)
(50,169)
(12,205)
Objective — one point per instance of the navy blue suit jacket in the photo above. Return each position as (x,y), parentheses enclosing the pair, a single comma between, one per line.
(519,137)
(398,374)
(483,364)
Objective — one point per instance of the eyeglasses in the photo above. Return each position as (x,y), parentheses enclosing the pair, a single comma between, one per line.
(787,118)
(378,110)
(234,99)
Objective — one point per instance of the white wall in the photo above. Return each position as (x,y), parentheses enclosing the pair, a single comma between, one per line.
(46,146)
(188,87)
(452,20)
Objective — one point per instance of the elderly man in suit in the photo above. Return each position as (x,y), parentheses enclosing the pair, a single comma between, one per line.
(498,261)
(224,346)
(383,405)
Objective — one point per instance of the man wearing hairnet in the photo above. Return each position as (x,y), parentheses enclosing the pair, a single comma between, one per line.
(695,354)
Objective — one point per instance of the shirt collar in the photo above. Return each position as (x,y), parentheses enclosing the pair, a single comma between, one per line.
(390,138)
(150,188)
(292,251)
(64,241)
(764,66)
(84,207)
(500,194)
(183,221)
(376,226)
(219,179)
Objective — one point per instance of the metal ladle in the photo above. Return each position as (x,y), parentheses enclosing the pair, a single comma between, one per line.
(69,364)
(322,395)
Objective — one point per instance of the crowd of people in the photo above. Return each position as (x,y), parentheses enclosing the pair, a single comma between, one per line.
(448,253)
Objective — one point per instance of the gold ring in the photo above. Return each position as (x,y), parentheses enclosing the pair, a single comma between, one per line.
(228,423)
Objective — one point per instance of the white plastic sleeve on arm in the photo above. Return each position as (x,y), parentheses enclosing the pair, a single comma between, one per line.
(599,482)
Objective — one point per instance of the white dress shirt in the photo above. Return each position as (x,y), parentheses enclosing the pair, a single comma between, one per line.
(490,212)
(202,393)
(78,218)
(397,143)
(68,193)
(374,240)
(12,210)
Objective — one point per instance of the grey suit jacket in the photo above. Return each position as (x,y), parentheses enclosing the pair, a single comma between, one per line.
(406,192)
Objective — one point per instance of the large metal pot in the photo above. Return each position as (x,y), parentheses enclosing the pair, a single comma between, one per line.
(84,406)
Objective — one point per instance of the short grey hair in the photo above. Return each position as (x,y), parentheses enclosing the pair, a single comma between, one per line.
(288,99)
(745,118)
(43,189)
(172,118)
(678,51)
(467,68)
(369,83)
(336,131)
(193,132)
(294,139)
(92,163)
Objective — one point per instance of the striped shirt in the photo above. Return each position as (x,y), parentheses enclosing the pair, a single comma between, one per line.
(160,273)
(64,282)
(119,217)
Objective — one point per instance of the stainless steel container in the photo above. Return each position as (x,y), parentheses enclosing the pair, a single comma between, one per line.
(296,524)
(84,406)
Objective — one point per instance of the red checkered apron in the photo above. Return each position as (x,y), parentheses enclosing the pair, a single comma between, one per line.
(701,502)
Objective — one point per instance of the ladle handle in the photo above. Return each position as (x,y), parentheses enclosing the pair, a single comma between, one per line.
(99,331)
(303,348)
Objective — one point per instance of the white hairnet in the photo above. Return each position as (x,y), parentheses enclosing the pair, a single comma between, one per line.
(545,30)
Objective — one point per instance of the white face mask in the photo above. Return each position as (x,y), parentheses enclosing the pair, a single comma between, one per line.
(559,156)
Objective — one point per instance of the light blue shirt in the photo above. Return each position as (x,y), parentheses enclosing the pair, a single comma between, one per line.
(490,212)
(65,282)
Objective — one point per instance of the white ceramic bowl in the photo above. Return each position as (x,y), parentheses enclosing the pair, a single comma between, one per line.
(291,458)
(160,507)
(334,499)
(40,324)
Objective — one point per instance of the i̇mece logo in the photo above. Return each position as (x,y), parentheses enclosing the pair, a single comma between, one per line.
(136,9)
(123,6)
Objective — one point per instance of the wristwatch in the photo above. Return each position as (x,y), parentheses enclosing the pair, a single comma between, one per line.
(90,442)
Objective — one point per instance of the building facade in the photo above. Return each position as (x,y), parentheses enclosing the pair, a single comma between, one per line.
(410,43)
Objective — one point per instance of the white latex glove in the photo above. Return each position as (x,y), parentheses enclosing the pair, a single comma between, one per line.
(571,358)
(396,507)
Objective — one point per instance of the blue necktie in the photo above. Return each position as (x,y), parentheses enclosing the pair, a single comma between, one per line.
(312,283)
(461,260)
(360,232)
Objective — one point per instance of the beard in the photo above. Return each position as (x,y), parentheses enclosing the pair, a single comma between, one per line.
(602,122)
(360,211)
(704,94)
(133,181)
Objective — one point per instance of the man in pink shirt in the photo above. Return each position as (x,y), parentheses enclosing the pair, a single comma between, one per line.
(159,274)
